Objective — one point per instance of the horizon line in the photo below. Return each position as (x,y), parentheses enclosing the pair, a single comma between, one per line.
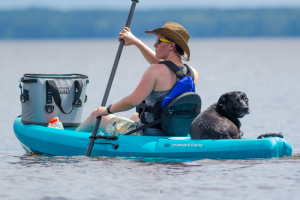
(149,9)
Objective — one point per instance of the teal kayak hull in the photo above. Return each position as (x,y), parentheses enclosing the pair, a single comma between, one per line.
(42,140)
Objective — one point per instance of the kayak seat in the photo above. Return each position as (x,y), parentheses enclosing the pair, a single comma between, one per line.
(184,109)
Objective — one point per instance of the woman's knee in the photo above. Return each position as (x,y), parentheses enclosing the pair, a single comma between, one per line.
(135,117)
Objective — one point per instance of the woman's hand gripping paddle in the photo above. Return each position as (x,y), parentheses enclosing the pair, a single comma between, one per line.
(111,78)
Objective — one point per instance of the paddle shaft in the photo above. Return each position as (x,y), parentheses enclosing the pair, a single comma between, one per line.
(110,81)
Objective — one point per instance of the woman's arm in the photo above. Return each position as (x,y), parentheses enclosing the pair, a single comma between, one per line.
(130,39)
(143,89)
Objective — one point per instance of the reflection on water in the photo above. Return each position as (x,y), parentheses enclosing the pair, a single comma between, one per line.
(267,70)
(32,159)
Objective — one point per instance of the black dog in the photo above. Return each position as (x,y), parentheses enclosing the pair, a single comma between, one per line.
(220,120)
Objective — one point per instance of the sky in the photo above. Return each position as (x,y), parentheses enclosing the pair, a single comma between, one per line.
(145,4)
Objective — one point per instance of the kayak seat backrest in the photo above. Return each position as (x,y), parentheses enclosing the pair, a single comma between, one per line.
(184,108)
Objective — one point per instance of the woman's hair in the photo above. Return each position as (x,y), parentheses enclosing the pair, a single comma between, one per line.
(178,49)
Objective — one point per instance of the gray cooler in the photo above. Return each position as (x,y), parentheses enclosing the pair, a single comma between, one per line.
(45,96)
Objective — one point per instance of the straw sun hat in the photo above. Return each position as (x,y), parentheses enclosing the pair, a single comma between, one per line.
(176,33)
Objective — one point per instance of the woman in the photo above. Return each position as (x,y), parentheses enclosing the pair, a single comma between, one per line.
(157,81)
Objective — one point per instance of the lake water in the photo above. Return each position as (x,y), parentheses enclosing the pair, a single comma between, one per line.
(267,70)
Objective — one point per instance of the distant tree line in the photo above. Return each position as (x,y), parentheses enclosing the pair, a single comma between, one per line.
(42,23)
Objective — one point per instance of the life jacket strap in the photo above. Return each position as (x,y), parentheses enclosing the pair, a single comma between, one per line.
(174,68)
(142,108)
(191,71)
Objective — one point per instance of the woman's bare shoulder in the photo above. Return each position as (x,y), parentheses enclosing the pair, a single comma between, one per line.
(157,66)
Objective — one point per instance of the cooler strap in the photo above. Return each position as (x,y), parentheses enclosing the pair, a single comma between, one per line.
(52,91)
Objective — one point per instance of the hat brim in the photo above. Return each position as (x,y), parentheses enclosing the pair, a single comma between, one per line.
(174,36)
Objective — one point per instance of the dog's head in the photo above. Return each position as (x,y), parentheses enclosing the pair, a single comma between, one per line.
(235,104)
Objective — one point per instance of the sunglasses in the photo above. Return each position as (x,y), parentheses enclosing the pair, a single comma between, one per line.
(159,41)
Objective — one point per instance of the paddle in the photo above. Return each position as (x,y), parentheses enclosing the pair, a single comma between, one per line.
(111,78)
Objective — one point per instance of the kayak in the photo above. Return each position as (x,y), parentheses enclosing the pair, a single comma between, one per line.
(57,142)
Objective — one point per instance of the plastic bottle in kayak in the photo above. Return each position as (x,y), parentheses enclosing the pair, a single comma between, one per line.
(55,121)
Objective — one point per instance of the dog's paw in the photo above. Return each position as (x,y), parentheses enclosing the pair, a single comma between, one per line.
(270,135)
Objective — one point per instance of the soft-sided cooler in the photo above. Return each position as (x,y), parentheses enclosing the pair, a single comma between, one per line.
(45,96)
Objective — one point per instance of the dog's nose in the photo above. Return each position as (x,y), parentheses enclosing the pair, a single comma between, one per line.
(247,110)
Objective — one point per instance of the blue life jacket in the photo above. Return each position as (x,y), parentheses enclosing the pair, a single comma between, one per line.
(183,85)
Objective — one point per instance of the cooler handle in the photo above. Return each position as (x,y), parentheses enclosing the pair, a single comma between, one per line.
(55,93)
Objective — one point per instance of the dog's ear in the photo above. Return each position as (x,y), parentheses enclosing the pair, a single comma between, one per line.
(223,100)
